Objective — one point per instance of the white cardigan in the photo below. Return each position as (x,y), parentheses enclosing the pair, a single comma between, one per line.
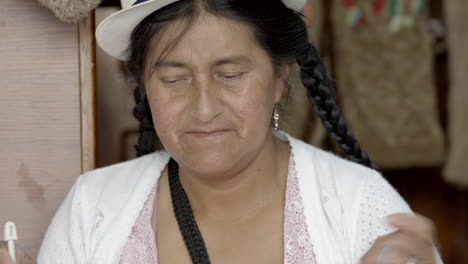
(344,205)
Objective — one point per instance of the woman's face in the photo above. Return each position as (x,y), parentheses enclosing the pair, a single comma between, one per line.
(212,95)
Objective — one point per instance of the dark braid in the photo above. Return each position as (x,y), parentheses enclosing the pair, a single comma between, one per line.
(142,113)
(319,91)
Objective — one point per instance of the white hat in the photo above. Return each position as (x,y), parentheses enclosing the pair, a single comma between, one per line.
(113,34)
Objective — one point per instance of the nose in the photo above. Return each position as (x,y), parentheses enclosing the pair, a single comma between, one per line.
(205,102)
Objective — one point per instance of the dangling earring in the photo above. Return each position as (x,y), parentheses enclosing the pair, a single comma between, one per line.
(276,118)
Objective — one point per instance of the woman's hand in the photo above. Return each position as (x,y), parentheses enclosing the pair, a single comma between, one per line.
(21,257)
(412,243)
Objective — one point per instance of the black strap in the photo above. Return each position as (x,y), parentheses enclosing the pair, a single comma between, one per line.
(185,219)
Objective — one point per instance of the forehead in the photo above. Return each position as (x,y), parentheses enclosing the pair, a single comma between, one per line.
(205,39)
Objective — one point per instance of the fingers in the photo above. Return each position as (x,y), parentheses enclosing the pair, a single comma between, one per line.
(25,259)
(21,256)
(397,247)
(4,255)
(392,254)
(414,238)
(418,225)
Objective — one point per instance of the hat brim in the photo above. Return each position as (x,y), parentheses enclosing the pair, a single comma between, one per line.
(113,33)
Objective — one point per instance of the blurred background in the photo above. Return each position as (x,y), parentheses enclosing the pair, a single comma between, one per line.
(400,69)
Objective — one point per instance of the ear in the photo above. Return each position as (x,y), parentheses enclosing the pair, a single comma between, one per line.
(281,81)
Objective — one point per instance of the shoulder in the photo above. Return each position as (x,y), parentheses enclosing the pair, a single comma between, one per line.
(328,166)
(356,199)
(107,189)
(95,200)
(351,182)
(123,174)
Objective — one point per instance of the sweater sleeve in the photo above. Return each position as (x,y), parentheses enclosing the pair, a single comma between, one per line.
(64,239)
(377,200)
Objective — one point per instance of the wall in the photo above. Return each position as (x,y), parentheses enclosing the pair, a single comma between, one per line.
(40,116)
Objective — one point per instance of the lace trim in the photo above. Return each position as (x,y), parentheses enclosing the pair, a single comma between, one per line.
(298,248)
(141,245)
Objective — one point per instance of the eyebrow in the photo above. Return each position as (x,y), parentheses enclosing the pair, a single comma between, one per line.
(238,59)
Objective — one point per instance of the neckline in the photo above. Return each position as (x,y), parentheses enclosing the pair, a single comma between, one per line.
(153,196)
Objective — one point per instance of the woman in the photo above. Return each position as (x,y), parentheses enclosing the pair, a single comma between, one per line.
(227,188)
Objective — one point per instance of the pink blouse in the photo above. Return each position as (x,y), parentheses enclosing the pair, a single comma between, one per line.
(141,244)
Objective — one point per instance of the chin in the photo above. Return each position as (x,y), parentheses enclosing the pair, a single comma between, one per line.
(213,164)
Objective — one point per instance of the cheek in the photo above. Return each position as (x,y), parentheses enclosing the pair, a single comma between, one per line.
(166,116)
(254,107)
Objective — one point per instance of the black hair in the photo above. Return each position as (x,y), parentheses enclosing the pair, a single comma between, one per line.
(282,33)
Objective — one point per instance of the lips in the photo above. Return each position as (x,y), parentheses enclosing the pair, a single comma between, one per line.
(208,133)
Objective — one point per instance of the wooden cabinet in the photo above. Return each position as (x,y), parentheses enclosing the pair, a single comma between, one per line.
(46,114)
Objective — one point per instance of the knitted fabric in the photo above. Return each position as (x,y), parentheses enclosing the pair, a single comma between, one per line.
(70,11)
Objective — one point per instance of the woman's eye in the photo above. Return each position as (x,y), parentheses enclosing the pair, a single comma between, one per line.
(174,80)
(231,76)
